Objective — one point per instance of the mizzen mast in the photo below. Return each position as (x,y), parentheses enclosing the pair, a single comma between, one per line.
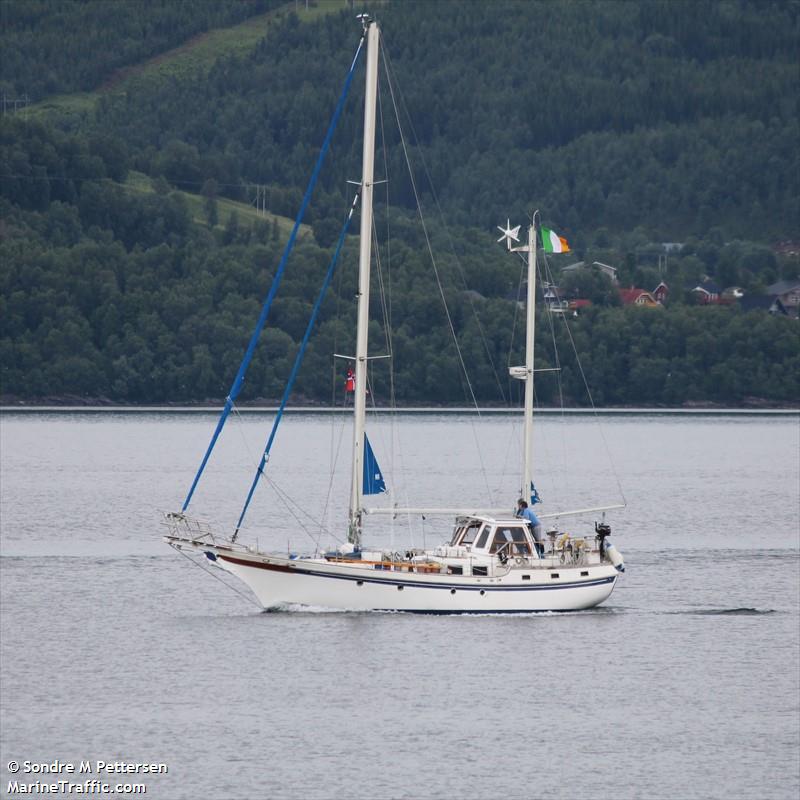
(526,373)
(530,337)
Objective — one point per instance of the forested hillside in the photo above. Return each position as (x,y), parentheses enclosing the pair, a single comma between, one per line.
(627,124)
(675,115)
(55,46)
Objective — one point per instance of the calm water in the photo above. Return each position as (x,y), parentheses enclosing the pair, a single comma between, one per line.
(684,685)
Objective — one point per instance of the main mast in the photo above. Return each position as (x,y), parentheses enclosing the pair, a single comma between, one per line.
(364,258)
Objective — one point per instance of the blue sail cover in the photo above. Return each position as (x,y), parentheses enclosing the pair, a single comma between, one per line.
(534,495)
(373,477)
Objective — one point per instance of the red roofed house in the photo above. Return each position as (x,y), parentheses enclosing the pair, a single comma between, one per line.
(660,293)
(637,297)
(707,293)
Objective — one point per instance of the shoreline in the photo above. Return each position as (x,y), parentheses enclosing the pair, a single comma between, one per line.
(302,409)
(71,402)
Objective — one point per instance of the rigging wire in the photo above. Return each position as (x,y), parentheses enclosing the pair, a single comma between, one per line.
(335,447)
(392,402)
(395,440)
(227,585)
(548,275)
(591,401)
(296,510)
(387,333)
(543,440)
(238,381)
(516,422)
(298,361)
(436,274)
(460,270)
(388,337)
(388,320)
(331,448)
(334,462)
(240,427)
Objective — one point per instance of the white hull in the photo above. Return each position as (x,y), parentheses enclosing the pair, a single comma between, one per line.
(278,581)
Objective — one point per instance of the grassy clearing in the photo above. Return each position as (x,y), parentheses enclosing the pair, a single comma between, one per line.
(68,105)
(139,182)
(195,57)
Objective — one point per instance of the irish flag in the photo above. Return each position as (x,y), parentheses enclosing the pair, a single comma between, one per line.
(553,243)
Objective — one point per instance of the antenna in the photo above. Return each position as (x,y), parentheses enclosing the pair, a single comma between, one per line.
(365,20)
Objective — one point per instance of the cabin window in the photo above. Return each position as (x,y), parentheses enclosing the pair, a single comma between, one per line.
(480,571)
(469,534)
(455,570)
(481,543)
(501,538)
(514,538)
(456,535)
(465,535)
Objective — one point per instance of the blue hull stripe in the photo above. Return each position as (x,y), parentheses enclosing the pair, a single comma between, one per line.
(445,586)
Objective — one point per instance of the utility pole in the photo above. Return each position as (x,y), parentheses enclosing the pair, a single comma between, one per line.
(260,201)
(17,102)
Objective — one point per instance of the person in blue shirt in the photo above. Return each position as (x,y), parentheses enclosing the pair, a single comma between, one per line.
(536,527)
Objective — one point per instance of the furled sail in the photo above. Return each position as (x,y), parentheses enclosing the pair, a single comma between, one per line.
(373,477)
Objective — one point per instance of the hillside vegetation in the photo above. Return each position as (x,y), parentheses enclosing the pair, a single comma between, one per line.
(132,265)
(60,46)
(677,116)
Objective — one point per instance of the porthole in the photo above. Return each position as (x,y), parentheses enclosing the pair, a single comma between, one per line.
(553,574)
(483,592)
(585,574)
(400,588)
(452,591)
(359,583)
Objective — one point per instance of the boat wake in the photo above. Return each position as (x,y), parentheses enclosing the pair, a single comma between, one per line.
(743,611)
(732,612)
(299,608)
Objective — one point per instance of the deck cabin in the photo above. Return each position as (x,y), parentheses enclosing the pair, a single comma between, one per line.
(484,546)
(480,545)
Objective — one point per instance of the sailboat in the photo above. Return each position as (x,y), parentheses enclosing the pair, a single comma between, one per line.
(493,562)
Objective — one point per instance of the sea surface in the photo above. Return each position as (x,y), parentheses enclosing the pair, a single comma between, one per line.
(685,684)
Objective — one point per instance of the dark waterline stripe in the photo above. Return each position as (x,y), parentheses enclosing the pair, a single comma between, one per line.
(417,584)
